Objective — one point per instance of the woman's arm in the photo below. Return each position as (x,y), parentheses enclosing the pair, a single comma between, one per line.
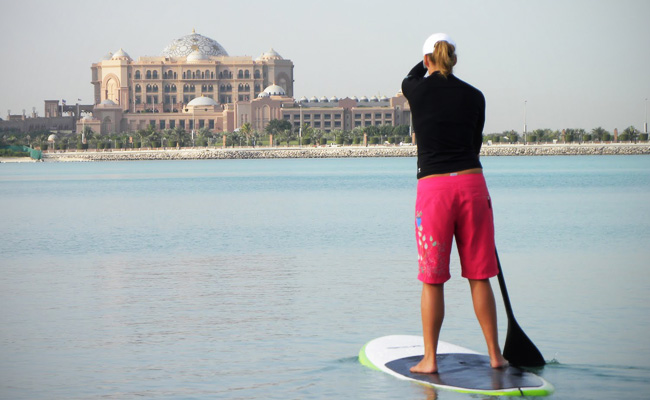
(414,76)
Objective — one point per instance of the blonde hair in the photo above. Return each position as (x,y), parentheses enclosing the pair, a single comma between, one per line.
(444,57)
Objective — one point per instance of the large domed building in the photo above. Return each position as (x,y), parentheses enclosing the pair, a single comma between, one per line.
(156,89)
(196,84)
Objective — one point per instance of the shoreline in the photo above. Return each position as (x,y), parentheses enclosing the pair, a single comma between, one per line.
(334,152)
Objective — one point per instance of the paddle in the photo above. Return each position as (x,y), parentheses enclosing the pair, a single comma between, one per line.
(518,350)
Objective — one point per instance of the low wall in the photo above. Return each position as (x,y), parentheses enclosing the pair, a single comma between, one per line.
(340,152)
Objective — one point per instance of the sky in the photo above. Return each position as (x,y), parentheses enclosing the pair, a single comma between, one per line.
(554,64)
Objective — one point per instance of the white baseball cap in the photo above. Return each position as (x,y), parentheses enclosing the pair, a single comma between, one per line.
(431,41)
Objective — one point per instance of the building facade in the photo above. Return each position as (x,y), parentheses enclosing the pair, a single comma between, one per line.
(196,84)
(132,94)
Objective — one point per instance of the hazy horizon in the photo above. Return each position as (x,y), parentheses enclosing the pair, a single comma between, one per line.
(577,64)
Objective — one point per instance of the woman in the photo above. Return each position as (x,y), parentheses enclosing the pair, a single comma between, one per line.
(452,197)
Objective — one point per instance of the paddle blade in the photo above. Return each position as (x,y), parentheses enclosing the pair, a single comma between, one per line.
(519,350)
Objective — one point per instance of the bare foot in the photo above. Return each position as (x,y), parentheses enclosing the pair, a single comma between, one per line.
(427,365)
(499,362)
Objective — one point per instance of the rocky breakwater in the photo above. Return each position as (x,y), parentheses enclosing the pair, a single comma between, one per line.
(585,149)
(341,152)
(207,154)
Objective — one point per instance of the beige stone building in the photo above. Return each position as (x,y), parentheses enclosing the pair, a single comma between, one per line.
(195,84)
(132,94)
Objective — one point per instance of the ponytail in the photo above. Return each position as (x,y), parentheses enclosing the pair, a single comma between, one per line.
(444,57)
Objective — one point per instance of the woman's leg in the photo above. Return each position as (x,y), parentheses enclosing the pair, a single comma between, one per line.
(486,312)
(433,313)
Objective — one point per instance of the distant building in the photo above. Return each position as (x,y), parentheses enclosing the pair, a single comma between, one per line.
(195,84)
(24,123)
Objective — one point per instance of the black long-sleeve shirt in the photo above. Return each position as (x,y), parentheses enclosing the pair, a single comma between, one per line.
(448,117)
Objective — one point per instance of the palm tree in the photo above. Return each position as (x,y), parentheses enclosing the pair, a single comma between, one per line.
(234,137)
(307,132)
(630,133)
(357,135)
(598,133)
(317,135)
(275,127)
(246,130)
(288,135)
(202,135)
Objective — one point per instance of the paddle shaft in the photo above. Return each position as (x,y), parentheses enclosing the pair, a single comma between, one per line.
(504,291)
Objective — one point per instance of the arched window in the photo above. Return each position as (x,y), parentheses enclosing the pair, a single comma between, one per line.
(138,88)
(137,75)
(212,75)
(175,75)
(148,88)
(155,74)
(183,74)
(155,88)
(257,74)
(240,88)
(173,88)
(247,87)
(222,88)
(148,74)
(192,88)
(167,88)
(186,88)
(247,74)
(210,88)
(229,88)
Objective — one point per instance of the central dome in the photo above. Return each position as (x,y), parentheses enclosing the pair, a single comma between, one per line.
(194,42)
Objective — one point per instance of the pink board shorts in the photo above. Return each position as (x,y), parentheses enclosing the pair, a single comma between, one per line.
(454,206)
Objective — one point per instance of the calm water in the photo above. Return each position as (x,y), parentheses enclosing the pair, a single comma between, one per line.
(262,279)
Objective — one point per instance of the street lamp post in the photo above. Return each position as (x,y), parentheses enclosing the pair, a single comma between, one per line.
(645,126)
(300,127)
(525,125)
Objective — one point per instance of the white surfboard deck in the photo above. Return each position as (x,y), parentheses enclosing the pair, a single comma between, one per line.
(459,369)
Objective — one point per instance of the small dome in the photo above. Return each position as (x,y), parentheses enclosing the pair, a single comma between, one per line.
(363,98)
(108,102)
(323,99)
(275,90)
(108,56)
(313,99)
(87,118)
(120,55)
(270,55)
(383,98)
(197,56)
(334,98)
(52,138)
(263,95)
(303,99)
(374,98)
(355,98)
(202,101)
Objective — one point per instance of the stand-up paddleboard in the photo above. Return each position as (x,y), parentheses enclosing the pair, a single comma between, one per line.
(459,369)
